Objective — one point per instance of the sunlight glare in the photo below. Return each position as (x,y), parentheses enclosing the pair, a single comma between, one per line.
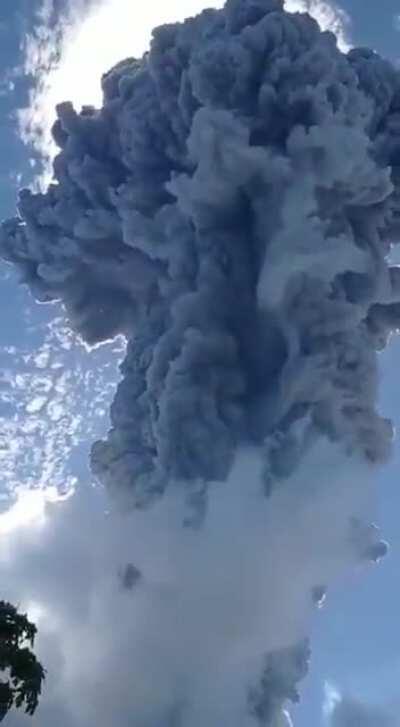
(29,509)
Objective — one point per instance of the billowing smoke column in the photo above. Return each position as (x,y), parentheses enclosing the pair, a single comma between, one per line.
(230,209)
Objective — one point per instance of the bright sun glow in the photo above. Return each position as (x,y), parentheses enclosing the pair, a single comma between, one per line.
(28,510)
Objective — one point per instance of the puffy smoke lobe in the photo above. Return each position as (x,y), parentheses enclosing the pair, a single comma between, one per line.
(230,210)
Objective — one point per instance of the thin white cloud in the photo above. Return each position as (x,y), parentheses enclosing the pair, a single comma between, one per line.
(331,699)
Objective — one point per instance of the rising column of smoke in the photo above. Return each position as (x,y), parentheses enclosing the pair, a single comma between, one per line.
(230,210)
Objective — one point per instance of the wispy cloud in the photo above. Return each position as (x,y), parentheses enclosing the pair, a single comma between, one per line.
(331,698)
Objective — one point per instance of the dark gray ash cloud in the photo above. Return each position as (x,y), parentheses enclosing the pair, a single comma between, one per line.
(230,210)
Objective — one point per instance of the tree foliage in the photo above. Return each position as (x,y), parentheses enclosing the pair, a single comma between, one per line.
(25,674)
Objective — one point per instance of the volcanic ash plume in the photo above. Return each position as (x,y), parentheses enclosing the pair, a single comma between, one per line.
(230,210)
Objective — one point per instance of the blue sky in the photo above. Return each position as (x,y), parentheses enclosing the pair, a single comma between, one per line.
(356,640)
(373,25)
(14,18)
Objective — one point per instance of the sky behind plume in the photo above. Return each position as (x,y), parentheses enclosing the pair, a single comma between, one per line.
(55,395)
